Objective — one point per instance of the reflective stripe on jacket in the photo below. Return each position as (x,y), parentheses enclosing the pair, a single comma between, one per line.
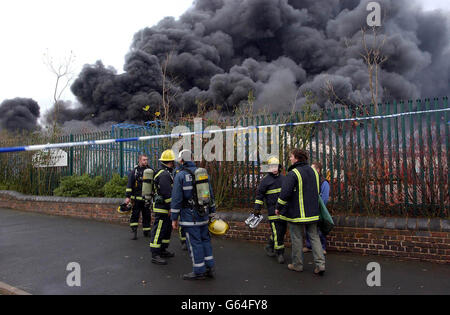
(299,198)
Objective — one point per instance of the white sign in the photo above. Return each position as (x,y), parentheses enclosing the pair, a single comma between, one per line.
(50,158)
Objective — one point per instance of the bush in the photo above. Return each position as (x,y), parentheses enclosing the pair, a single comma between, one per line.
(80,186)
(115,188)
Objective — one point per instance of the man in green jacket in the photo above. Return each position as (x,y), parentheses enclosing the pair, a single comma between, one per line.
(298,204)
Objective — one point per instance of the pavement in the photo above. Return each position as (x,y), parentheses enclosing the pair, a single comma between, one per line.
(35,250)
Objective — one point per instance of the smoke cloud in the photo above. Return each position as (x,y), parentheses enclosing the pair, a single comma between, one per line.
(220,50)
(19,114)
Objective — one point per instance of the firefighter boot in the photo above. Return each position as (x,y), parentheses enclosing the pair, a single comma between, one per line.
(158,260)
(280,256)
(166,254)
(134,231)
(194,276)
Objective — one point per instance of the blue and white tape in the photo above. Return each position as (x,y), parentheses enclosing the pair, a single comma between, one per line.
(187,134)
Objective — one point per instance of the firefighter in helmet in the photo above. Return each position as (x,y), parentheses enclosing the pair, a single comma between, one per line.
(134,197)
(269,190)
(162,226)
(189,211)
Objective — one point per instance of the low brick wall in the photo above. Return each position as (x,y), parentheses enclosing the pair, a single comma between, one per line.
(408,238)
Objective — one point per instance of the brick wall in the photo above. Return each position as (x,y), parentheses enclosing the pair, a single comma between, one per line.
(408,238)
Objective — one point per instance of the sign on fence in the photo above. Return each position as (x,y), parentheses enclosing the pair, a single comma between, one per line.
(50,158)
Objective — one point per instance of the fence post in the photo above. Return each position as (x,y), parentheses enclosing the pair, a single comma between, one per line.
(121,155)
(71,157)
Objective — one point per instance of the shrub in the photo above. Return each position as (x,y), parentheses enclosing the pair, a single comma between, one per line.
(80,186)
(115,188)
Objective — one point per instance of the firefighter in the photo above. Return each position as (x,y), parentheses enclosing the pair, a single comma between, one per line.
(162,227)
(181,231)
(298,204)
(269,190)
(185,212)
(134,196)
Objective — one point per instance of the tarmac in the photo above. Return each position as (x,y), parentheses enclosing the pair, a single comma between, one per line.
(35,250)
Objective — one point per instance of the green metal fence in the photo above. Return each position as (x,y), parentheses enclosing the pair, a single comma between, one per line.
(391,166)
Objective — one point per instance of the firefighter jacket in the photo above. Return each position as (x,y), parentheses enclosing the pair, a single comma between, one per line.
(135,180)
(299,197)
(269,190)
(163,182)
(182,193)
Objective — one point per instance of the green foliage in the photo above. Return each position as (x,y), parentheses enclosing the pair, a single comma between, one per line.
(80,186)
(115,188)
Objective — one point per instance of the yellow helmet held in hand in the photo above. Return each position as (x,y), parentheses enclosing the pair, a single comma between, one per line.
(167,156)
(218,227)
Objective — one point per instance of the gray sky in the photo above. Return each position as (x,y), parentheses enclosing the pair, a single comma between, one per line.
(92,29)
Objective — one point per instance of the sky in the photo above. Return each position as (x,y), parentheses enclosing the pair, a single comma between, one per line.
(93,30)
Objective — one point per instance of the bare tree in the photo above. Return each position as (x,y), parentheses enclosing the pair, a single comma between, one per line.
(64,73)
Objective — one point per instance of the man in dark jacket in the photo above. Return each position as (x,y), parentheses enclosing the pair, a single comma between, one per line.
(298,204)
(134,195)
(162,227)
(269,190)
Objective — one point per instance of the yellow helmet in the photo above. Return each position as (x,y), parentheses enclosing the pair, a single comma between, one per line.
(218,227)
(273,161)
(167,156)
(124,209)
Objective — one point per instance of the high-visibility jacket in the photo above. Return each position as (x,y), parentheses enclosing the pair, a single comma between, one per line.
(299,197)
(269,190)
(163,182)
(135,180)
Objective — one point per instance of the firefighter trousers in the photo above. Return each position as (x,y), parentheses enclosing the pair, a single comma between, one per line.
(276,241)
(161,232)
(199,246)
(138,207)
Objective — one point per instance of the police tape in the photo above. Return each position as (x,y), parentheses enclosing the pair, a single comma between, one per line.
(187,134)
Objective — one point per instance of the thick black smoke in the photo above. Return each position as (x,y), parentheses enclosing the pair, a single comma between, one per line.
(220,50)
(19,114)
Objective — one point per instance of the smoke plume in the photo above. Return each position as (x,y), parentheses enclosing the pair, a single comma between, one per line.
(220,50)
(19,114)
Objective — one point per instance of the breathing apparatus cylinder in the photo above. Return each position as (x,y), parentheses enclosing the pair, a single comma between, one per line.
(147,185)
(202,186)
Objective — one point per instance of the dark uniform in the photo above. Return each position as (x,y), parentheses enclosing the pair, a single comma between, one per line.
(194,223)
(299,205)
(162,226)
(269,190)
(134,192)
(181,231)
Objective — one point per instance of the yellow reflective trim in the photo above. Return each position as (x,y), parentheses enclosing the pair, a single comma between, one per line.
(275,237)
(134,224)
(158,231)
(168,200)
(146,229)
(318,180)
(136,198)
(300,220)
(259,202)
(160,210)
(273,191)
(166,241)
(300,194)
(274,217)
(281,202)
(129,190)
(159,173)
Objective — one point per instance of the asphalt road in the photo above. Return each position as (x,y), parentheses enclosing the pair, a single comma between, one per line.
(35,250)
